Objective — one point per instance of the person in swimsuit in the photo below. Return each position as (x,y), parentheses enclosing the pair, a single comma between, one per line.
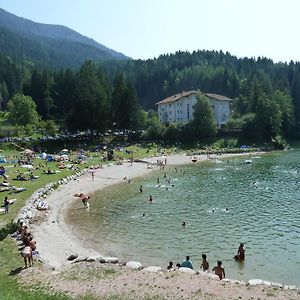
(241,253)
(219,270)
(27,255)
(205,264)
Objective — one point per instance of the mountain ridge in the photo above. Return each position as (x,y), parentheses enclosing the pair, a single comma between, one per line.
(44,34)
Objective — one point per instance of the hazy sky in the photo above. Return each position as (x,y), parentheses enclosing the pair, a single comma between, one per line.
(147,28)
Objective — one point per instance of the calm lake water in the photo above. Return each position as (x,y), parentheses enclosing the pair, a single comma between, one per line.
(263,202)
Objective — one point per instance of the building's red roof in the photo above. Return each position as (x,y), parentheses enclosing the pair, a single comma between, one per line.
(176,97)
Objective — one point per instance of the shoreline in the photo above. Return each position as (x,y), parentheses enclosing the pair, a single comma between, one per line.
(56,239)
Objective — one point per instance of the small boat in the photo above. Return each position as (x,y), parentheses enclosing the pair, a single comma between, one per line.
(248,161)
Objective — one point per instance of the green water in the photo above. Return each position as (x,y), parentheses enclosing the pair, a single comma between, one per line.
(263,202)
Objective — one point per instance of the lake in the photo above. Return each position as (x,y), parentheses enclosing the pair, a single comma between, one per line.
(224,202)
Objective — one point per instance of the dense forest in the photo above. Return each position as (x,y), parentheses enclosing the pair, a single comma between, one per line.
(117,93)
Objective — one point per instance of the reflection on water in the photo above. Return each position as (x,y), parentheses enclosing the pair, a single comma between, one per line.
(223,203)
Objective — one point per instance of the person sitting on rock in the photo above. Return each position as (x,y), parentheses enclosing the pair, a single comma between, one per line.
(170,267)
(187,263)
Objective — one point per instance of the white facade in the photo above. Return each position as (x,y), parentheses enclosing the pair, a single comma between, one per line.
(180,108)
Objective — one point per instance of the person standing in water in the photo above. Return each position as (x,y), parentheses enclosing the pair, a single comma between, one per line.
(241,253)
(150,199)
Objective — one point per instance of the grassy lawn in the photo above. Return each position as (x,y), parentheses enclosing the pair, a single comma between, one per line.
(11,261)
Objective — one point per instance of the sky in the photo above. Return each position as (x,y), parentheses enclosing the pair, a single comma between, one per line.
(144,29)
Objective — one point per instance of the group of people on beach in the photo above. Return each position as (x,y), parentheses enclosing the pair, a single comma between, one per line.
(218,269)
(28,245)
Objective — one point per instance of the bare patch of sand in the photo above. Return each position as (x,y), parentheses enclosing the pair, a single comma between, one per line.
(102,280)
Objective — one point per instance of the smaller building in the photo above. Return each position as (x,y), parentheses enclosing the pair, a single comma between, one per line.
(179,108)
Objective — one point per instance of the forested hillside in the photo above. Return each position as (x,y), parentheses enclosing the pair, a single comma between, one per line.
(266,94)
(51,46)
(209,71)
(254,84)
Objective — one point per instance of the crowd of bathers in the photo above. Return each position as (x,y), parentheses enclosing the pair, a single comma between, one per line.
(218,269)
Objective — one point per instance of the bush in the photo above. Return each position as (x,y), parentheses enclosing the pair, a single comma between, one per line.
(9,228)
